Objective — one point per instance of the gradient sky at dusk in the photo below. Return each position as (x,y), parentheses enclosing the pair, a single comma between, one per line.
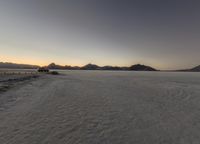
(161,33)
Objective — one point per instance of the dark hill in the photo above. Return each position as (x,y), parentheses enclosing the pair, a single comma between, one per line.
(196,69)
(140,67)
(90,67)
(54,66)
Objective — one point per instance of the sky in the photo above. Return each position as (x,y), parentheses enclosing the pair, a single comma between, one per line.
(164,34)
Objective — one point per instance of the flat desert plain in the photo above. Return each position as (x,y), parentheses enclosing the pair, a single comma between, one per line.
(101,107)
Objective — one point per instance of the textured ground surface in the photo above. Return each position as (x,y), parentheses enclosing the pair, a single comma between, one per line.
(103,108)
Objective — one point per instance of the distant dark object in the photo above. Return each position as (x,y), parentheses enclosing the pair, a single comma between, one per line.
(91,67)
(54,73)
(43,69)
(140,67)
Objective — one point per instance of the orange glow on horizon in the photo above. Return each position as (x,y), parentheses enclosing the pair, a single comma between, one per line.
(42,62)
(39,62)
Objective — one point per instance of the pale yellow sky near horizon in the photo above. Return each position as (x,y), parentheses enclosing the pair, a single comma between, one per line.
(40,62)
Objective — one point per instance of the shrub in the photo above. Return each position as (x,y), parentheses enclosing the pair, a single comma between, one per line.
(54,73)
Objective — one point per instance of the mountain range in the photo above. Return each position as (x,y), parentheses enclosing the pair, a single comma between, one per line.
(17,66)
(137,67)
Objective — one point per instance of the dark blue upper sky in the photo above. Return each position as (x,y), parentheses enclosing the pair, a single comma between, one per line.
(161,33)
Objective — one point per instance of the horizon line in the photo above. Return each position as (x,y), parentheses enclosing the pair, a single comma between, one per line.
(95,64)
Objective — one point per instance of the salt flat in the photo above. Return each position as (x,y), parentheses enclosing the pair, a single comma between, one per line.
(102,107)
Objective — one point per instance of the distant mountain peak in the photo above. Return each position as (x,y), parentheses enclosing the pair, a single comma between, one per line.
(197,69)
(140,67)
(90,67)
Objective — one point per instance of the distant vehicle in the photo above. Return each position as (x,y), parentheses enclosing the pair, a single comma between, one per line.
(43,69)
